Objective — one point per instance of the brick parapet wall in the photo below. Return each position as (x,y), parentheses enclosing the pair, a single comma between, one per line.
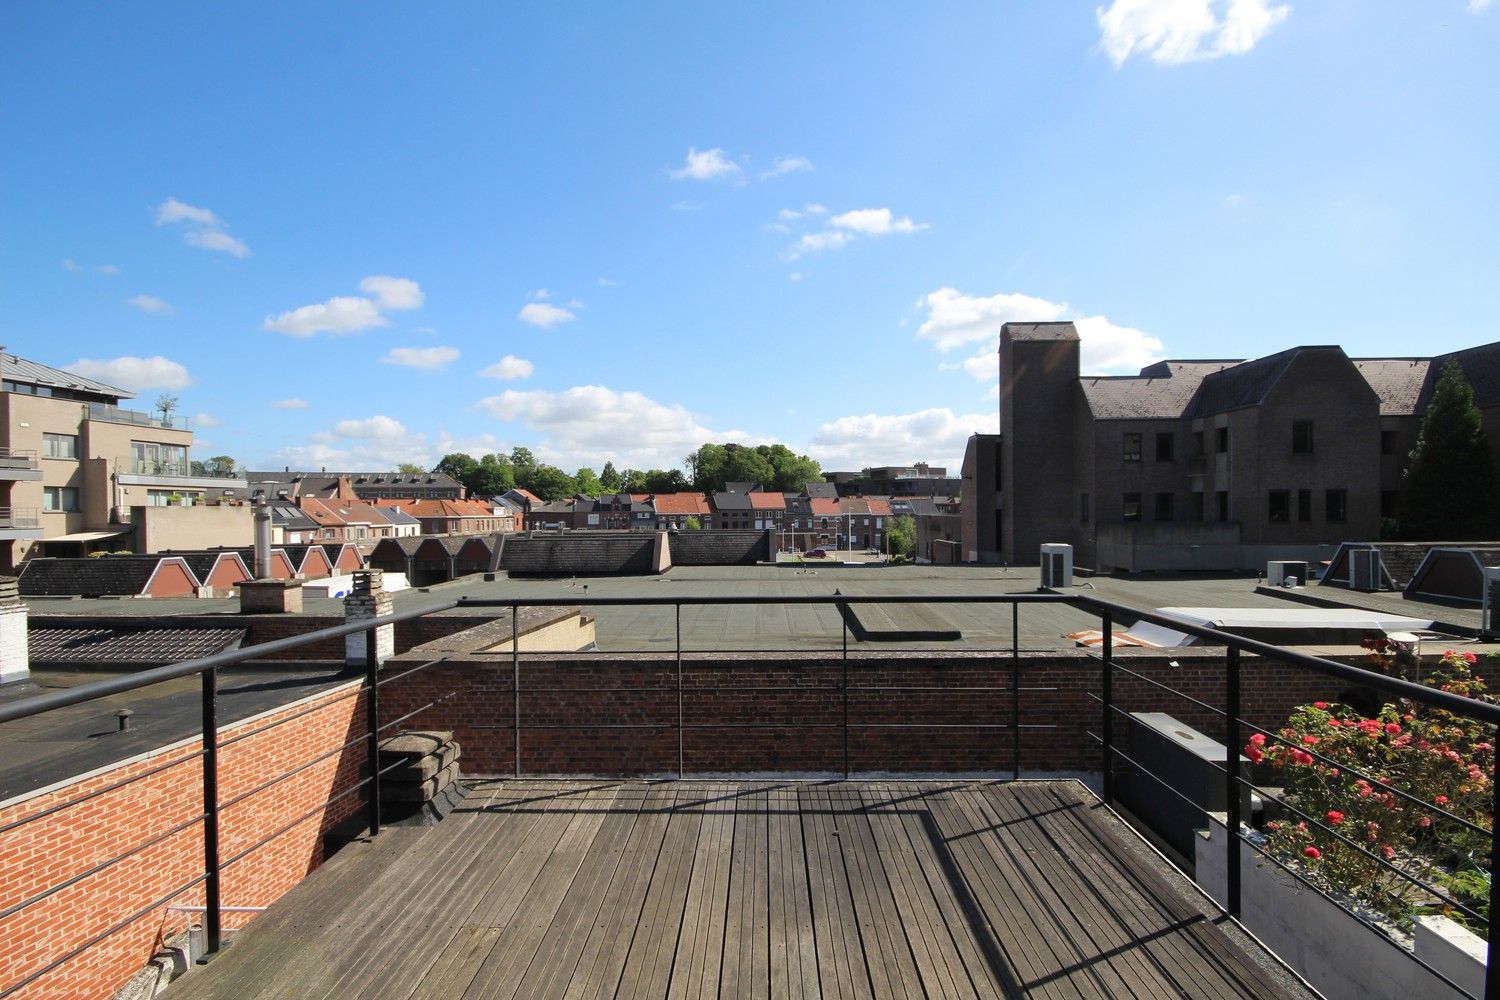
(604,715)
(53,848)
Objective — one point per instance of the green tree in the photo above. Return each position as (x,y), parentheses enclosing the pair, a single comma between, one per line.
(901,536)
(549,482)
(458,465)
(218,465)
(522,458)
(1452,490)
(585,482)
(411,469)
(743,464)
(494,476)
(789,472)
(632,481)
(706,467)
(665,481)
(610,478)
(691,523)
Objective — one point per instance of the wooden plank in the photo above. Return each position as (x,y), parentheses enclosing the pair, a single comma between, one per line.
(746,967)
(1008,907)
(522,934)
(602,960)
(938,964)
(648,964)
(793,950)
(565,938)
(841,960)
(973,941)
(1206,953)
(888,953)
(1105,943)
(700,947)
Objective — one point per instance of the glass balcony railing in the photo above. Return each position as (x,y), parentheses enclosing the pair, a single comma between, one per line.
(19,517)
(171,468)
(117,415)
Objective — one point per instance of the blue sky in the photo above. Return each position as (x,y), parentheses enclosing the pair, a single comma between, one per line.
(353,235)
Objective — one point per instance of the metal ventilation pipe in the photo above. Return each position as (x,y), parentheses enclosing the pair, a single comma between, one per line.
(262,537)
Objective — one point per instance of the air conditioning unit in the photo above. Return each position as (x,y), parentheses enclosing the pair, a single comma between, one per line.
(1489,619)
(1365,570)
(1279,571)
(1057,565)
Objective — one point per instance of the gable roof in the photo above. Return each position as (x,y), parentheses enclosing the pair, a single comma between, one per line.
(826,490)
(730,501)
(1245,384)
(116,576)
(767,501)
(680,503)
(1041,331)
(1162,390)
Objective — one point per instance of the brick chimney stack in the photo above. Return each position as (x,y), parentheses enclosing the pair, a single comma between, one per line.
(368,600)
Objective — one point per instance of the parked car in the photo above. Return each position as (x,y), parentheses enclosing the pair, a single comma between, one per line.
(817,554)
(872,552)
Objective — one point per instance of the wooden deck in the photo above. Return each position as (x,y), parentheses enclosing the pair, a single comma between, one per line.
(747,889)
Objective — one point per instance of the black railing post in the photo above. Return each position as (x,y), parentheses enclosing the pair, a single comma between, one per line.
(1015,691)
(372,720)
(1232,778)
(679,690)
(1107,696)
(515,685)
(844,684)
(212,890)
(1492,967)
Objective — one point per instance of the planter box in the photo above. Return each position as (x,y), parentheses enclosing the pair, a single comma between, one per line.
(1328,946)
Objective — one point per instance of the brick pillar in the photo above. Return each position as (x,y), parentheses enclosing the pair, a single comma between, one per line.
(15,654)
(368,600)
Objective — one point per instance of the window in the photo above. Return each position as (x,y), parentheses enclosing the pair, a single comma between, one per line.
(1336,505)
(1280,510)
(1195,507)
(1132,511)
(1197,442)
(1132,451)
(1304,505)
(1083,508)
(1223,496)
(1164,506)
(1388,442)
(59,445)
(152,459)
(1165,447)
(1302,437)
(1221,440)
(60,499)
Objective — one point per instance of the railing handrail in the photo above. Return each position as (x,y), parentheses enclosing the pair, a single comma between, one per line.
(8,452)
(117,685)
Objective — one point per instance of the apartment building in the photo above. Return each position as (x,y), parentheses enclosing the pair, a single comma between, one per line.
(73,462)
(364,485)
(1199,464)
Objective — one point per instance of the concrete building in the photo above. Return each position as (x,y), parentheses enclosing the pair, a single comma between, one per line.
(979,497)
(919,480)
(1219,464)
(364,485)
(73,463)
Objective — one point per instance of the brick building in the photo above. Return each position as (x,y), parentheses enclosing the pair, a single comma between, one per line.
(1218,464)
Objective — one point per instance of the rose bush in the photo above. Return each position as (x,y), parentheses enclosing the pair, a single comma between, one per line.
(1348,771)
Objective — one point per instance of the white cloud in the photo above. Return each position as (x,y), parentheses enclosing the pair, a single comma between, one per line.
(936,435)
(1479,6)
(543,315)
(608,283)
(172,210)
(376,428)
(539,294)
(427,358)
(350,313)
(341,314)
(205,420)
(954,319)
(393,293)
(134,373)
(591,424)
(705,166)
(426,331)
(830,239)
(69,264)
(1182,31)
(108,269)
(687,206)
(213,239)
(151,304)
(787,165)
(794,277)
(508,368)
(875,222)
(294,403)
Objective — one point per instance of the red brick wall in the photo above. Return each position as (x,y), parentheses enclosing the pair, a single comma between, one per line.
(785,713)
(53,848)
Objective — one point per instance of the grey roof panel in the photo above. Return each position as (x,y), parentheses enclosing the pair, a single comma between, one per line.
(20,370)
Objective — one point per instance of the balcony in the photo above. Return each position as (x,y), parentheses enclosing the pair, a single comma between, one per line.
(170,474)
(19,465)
(831,883)
(19,522)
(117,415)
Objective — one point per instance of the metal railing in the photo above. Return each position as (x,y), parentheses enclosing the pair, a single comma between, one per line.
(119,415)
(1112,752)
(19,518)
(18,458)
(133,465)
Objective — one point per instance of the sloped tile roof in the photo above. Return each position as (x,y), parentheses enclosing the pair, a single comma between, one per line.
(129,644)
(114,576)
(681,503)
(1162,390)
(1244,384)
(1041,331)
(1397,381)
(730,501)
(767,501)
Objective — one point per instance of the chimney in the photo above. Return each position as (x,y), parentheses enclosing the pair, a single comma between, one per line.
(369,599)
(15,654)
(262,568)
